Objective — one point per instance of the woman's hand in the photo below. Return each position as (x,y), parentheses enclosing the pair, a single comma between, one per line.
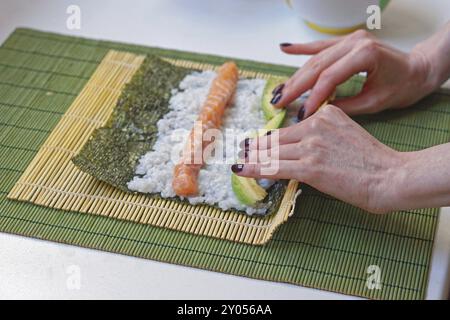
(394,79)
(333,154)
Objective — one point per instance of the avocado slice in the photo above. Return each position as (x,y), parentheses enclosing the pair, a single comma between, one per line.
(247,190)
(268,109)
(275,123)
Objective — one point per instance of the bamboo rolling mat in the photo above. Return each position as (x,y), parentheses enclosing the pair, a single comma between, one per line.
(326,244)
(52,180)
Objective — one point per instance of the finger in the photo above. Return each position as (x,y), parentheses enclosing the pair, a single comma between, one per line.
(306,77)
(277,137)
(363,103)
(289,151)
(277,169)
(333,76)
(308,48)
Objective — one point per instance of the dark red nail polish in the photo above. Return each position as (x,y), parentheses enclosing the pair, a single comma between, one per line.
(301,113)
(285,44)
(278,89)
(268,133)
(276,98)
(236,168)
(244,143)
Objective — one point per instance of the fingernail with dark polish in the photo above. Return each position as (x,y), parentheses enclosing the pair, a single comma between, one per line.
(278,89)
(276,98)
(244,143)
(268,133)
(236,168)
(301,114)
(285,44)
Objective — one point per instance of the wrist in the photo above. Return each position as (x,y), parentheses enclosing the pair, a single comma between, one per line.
(418,179)
(430,59)
(391,189)
(412,183)
(424,72)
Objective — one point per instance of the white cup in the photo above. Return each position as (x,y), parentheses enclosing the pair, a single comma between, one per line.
(334,16)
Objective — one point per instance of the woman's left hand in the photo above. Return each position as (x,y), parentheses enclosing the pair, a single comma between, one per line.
(333,154)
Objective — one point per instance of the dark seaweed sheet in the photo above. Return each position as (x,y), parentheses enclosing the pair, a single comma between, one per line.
(112,152)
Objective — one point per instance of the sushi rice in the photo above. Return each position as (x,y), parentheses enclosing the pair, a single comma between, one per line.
(154,172)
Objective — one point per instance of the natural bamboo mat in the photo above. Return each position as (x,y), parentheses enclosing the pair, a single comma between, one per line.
(326,244)
(52,180)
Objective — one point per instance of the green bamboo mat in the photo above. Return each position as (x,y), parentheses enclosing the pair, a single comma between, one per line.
(326,244)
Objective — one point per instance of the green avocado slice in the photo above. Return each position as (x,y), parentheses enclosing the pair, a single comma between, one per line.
(277,121)
(268,109)
(247,190)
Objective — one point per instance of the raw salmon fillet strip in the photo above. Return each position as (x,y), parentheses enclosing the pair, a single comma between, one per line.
(222,89)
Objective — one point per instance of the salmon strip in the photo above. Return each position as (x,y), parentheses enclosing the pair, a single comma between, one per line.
(222,89)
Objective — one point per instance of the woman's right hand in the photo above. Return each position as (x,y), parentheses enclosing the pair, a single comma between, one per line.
(394,79)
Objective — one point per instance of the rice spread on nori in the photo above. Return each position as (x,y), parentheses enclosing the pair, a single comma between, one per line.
(112,152)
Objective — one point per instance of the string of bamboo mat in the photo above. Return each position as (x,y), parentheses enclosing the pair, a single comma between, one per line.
(52,180)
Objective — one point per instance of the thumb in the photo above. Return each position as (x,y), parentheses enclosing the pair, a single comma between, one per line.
(365,102)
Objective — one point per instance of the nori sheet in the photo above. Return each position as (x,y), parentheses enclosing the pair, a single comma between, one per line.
(112,152)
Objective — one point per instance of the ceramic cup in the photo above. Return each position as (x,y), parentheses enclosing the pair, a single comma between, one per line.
(334,16)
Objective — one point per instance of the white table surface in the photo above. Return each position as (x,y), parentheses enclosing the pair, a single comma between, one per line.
(249,29)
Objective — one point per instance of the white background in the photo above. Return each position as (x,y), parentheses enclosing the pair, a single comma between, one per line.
(249,29)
